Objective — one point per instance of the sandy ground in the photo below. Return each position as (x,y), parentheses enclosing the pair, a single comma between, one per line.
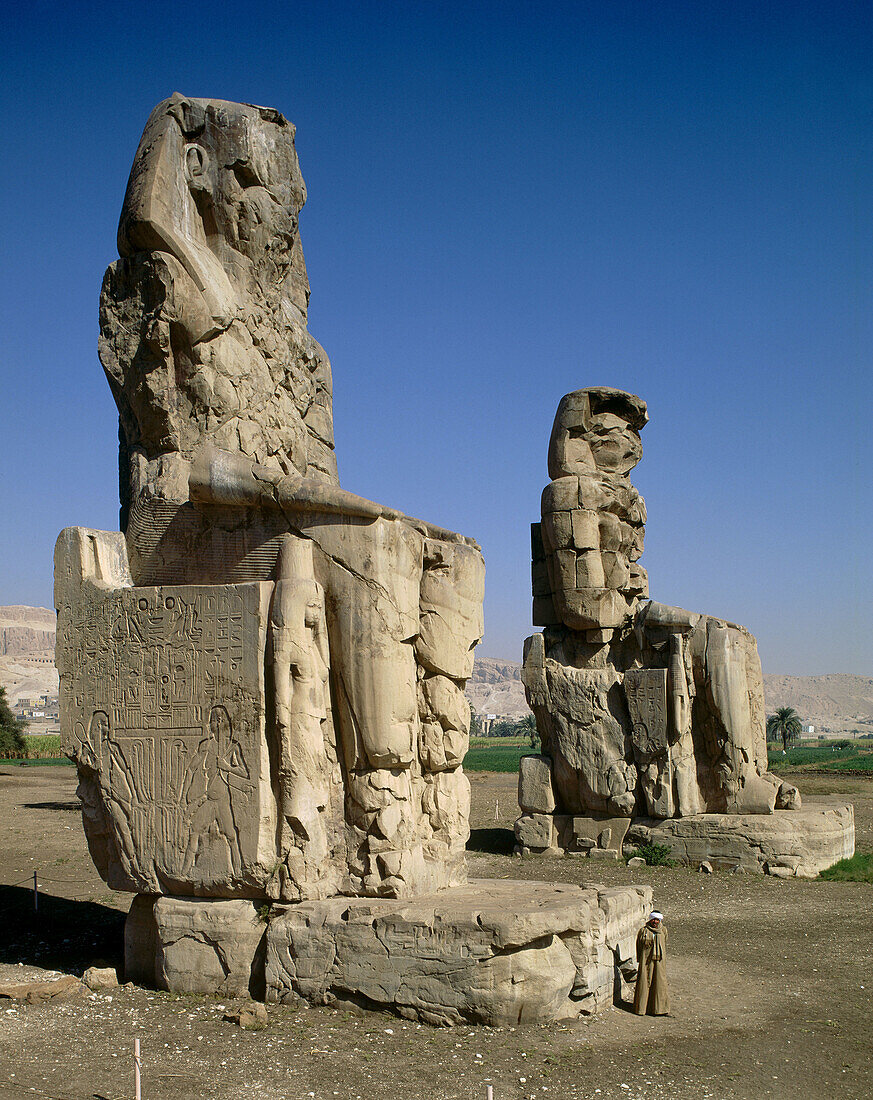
(770,980)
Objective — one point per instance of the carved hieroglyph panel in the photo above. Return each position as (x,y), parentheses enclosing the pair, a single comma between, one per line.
(162,698)
(646,691)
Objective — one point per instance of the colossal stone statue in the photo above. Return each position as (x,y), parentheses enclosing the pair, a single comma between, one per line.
(262,674)
(643,710)
(281,580)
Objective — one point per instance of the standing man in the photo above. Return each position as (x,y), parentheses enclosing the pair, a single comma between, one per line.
(652,997)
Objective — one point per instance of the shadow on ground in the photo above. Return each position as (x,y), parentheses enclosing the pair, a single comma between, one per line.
(61,935)
(495,842)
(74,807)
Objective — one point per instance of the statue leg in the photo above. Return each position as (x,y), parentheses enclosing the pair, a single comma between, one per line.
(299,660)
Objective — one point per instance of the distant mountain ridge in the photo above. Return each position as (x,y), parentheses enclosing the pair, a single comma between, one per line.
(835,704)
(27,652)
(26,630)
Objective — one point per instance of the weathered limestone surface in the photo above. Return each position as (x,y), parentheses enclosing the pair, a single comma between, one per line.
(583,835)
(799,844)
(643,709)
(190,946)
(262,675)
(489,952)
(536,794)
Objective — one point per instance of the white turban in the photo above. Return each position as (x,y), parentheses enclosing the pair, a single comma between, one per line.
(655,915)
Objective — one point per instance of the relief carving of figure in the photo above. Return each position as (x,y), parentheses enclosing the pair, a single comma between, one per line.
(210,821)
(309,779)
(102,758)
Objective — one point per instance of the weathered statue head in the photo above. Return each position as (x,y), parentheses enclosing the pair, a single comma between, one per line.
(593,519)
(218,186)
(596,428)
(203,321)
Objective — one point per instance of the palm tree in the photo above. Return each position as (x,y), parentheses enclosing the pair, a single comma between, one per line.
(475,723)
(527,727)
(785,723)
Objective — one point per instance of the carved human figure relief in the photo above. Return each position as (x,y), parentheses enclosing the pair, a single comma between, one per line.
(116,788)
(213,781)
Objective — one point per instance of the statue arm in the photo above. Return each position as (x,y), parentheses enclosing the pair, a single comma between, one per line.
(219,477)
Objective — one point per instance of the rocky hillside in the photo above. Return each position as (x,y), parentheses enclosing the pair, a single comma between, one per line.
(496,688)
(837,704)
(833,704)
(26,630)
(27,652)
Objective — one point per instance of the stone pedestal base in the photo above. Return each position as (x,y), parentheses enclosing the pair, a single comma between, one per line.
(592,835)
(786,843)
(491,952)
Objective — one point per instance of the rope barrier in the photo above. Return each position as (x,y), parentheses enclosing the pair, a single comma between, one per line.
(43,878)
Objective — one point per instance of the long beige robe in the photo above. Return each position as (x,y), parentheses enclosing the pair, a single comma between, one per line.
(652,997)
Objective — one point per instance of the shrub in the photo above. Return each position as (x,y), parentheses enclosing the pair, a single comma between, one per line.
(655,855)
(12,729)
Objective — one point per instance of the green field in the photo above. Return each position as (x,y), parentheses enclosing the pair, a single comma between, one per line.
(45,748)
(496,754)
(832,756)
(855,764)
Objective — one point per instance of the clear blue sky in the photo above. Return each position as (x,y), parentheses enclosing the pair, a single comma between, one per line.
(508,201)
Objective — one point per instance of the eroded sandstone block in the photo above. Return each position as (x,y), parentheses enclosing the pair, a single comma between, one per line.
(536,831)
(785,845)
(591,835)
(535,791)
(192,945)
(493,952)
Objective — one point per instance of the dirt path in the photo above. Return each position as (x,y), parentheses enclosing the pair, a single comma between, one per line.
(767,977)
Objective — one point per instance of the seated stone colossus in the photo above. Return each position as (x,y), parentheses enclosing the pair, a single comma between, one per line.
(263,673)
(644,710)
